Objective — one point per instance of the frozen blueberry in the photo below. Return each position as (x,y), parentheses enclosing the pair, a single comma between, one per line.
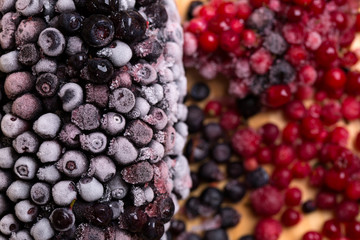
(282,72)
(47,126)
(119,53)
(26,211)
(213,131)
(234,169)
(139,133)
(249,106)
(156,15)
(47,84)
(26,142)
(177,227)
(153,229)
(149,49)
(90,189)
(95,142)
(130,26)
(211,197)
(234,191)
(71,95)
(102,167)
(52,42)
(192,206)
(261,19)
(113,123)
(210,172)
(197,149)
(40,193)
(195,180)
(221,152)
(98,30)
(62,219)
(138,173)
(229,217)
(98,70)
(123,151)
(195,118)
(18,83)
(199,91)
(218,234)
(308,206)
(28,54)
(73,163)
(29,30)
(275,43)
(257,178)
(86,117)
(122,100)
(70,22)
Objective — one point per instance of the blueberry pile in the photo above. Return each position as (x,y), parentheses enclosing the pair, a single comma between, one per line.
(92,120)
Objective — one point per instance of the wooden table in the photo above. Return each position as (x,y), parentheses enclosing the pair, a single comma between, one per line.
(313,221)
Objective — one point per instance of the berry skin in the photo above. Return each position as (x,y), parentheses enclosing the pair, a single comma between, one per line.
(245,142)
(249,38)
(264,155)
(311,128)
(269,133)
(353,190)
(293,197)
(317,177)
(295,110)
(353,230)
(336,180)
(208,41)
(350,108)
(353,83)
(325,200)
(307,75)
(257,178)
(230,120)
(301,169)
(277,95)
(290,217)
(213,108)
(335,78)
(281,178)
(331,229)
(199,91)
(266,201)
(268,229)
(306,151)
(308,206)
(227,10)
(326,54)
(283,155)
(229,41)
(347,211)
(312,236)
(291,132)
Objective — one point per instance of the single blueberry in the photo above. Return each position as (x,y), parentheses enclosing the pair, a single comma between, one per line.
(218,234)
(211,197)
(257,178)
(249,106)
(199,91)
(281,72)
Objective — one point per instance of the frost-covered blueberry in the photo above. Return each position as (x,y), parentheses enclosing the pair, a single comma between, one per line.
(119,53)
(150,49)
(90,189)
(40,193)
(158,151)
(69,135)
(6,5)
(49,151)
(47,126)
(86,231)
(157,118)
(86,117)
(138,173)
(138,196)
(26,142)
(97,94)
(73,164)
(48,174)
(28,54)
(143,73)
(261,19)
(25,167)
(113,123)
(52,42)
(123,151)
(9,224)
(102,167)
(62,219)
(7,157)
(65,6)
(26,211)
(139,133)
(9,22)
(75,45)
(118,187)
(29,7)
(64,192)
(122,100)
(140,110)
(42,230)
(275,43)
(12,126)
(29,30)
(71,95)
(156,15)
(95,142)
(5,180)
(47,84)
(9,62)
(153,93)
(18,190)
(45,65)
(98,30)
(22,234)
(27,107)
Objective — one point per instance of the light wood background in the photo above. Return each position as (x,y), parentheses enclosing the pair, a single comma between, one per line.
(309,222)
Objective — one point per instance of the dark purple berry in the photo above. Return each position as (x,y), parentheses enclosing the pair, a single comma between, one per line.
(145,2)
(102,6)
(197,149)
(213,131)
(308,206)
(153,230)
(195,180)
(229,217)
(210,172)
(62,219)
(192,6)
(47,84)
(102,215)
(195,118)
(257,178)
(130,26)
(218,234)
(135,218)
(234,169)
(249,106)
(221,152)
(199,91)
(98,70)
(98,30)
(192,206)
(234,191)
(211,197)
(261,19)
(166,209)
(157,15)
(281,72)
(78,61)
(70,22)
(177,227)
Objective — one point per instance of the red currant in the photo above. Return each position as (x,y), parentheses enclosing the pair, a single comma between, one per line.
(213,108)
(326,54)
(311,128)
(353,190)
(208,41)
(336,180)
(335,78)
(290,217)
(277,95)
(244,10)
(312,236)
(353,230)
(229,41)
(332,229)
(293,197)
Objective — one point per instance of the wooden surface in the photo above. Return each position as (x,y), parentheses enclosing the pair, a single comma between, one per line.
(309,222)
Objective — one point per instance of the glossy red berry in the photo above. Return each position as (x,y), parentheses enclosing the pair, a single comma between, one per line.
(347,211)
(311,128)
(301,169)
(290,217)
(249,38)
(281,178)
(295,110)
(318,6)
(335,78)
(350,108)
(213,108)
(283,155)
(294,14)
(230,120)
(352,230)
(353,83)
(293,197)
(326,54)
(306,151)
(264,155)
(353,190)
(307,75)
(316,178)
(331,229)
(325,200)
(312,236)
(336,180)
(207,12)
(227,10)
(196,25)
(339,136)
(269,133)
(340,19)
(277,95)
(291,132)
(244,10)
(303,3)
(259,3)
(208,41)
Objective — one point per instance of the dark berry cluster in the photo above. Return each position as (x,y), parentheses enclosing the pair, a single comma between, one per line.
(274,48)
(92,120)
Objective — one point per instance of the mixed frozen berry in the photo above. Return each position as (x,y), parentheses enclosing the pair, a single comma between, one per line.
(92,119)
(273,49)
